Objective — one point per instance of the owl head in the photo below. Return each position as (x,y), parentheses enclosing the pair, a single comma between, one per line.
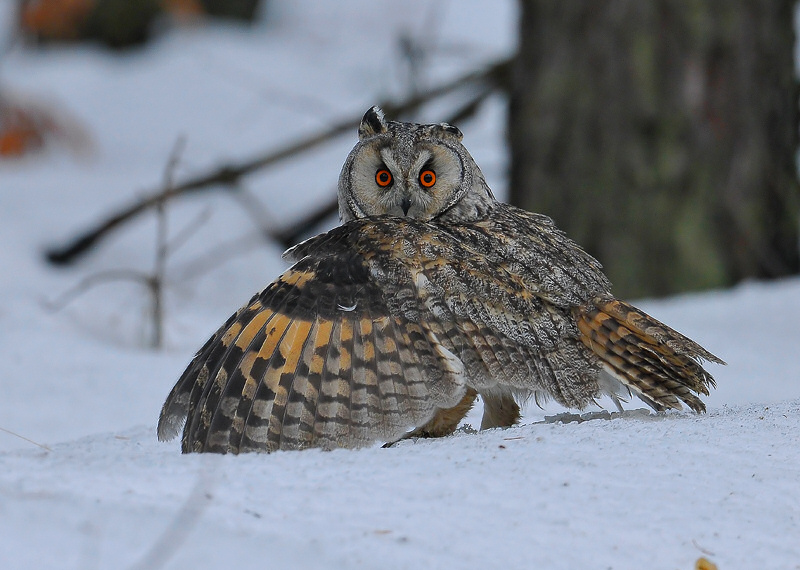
(408,169)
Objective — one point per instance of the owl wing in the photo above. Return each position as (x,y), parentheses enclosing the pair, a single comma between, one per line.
(659,364)
(529,245)
(519,287)
(331,354)
(505,314)
(512,285)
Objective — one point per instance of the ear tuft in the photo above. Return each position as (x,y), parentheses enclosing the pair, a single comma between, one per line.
(373,123)
(448,128)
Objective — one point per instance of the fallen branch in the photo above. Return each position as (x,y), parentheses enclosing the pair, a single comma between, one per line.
(228,175)
(15,434)
(182,524)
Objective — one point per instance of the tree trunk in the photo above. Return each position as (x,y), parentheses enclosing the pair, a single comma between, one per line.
(661,136)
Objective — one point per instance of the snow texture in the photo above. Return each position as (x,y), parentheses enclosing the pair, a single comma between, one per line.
(637,491)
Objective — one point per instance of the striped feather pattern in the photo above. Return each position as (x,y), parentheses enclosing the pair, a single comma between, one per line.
(308,363)
(657,363)
(388,325)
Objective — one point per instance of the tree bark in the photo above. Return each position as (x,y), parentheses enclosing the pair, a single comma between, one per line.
(661,136)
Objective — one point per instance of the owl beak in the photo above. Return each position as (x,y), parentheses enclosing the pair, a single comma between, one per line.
(405,205)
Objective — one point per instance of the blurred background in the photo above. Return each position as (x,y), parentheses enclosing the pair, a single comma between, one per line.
(157,156)
(662,137)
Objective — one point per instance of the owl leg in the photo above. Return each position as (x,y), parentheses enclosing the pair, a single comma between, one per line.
(499,410)
(445,421)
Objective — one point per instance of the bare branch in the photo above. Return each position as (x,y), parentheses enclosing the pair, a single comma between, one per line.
(228,175)
(289,236)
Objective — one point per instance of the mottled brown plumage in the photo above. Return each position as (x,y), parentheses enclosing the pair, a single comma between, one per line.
(426,296)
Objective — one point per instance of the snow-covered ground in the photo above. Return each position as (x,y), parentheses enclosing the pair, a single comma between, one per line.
(634,492)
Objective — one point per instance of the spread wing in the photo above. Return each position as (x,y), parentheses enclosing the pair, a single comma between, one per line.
(498,294)
(380,323)
(383,321)
(659,364)
(326,356)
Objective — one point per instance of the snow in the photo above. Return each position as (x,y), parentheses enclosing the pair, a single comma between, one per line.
(635,491)
(639,493)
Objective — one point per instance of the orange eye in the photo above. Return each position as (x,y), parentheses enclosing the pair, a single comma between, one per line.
(383,177)
(427,178)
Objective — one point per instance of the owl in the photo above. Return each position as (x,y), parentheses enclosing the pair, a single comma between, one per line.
(430,293)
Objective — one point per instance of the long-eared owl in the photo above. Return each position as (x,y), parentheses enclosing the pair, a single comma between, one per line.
(430,293)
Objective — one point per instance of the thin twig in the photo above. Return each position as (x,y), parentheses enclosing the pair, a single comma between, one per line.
(228,175)
(289,236)
(181,526)
(15,434)
(95,279)
(255,210)
(218,254)
(156,281)
(185,234)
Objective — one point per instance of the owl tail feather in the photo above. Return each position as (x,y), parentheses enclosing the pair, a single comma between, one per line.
(657,363)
